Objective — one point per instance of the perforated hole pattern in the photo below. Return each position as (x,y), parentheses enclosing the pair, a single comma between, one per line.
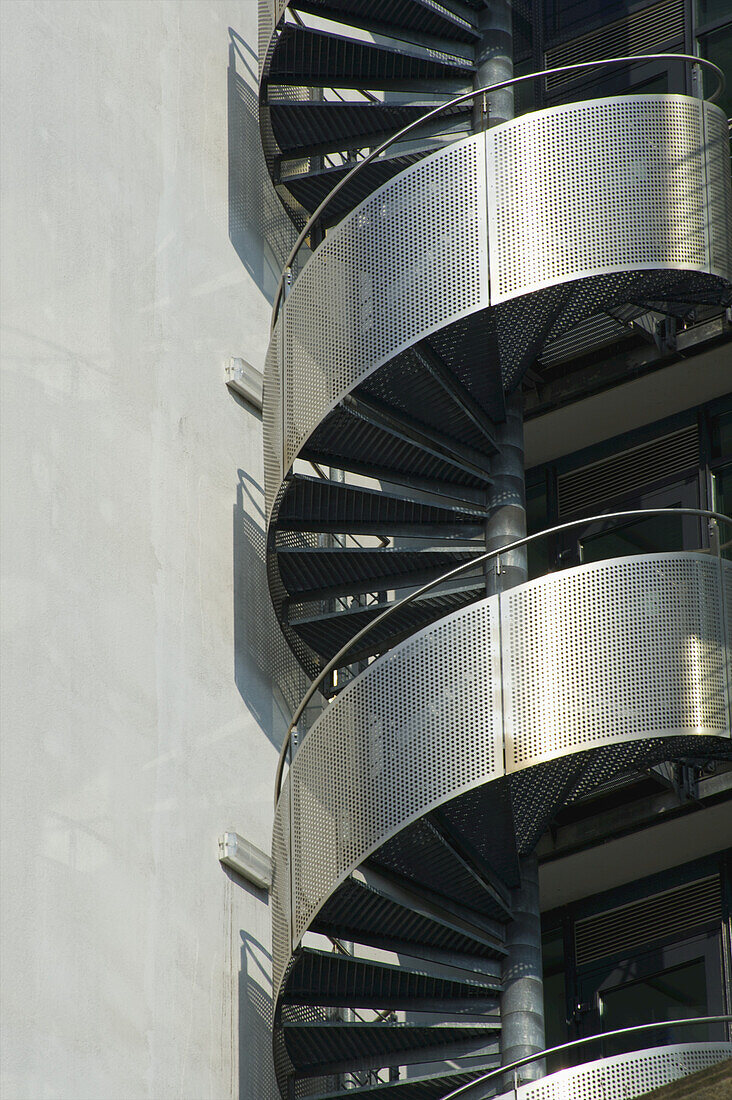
(417,727)
(280,888)
(606,185)
(411,259)
(613,651)
(578,190)
(626,1076)
(599,655)
(272,422)
(719,189)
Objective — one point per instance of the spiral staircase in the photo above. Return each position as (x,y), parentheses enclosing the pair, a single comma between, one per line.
(456,727)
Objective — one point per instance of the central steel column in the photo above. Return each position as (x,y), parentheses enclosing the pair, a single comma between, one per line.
(522,1000)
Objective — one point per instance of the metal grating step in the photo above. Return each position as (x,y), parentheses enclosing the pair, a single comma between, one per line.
(420,16)
(311,188)
(350,439)
(406,384)
(371,909)
(311,573)
(307,56)
(334,1047)
(483,820)
(311,504)
(434,1086)
(327,633)
(300,127)
(334,980)
(422,855)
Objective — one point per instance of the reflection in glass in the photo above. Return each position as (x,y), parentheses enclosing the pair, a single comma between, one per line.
(537,520)
(709,11)
(717,47)
(555,1006)
(655,535)
(669,995)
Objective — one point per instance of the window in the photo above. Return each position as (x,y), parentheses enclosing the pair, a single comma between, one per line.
(717,47)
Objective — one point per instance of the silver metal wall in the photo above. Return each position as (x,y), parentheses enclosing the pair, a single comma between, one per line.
(625,1076)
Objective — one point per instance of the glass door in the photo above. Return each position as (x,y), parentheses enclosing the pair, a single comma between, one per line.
(677,982)
(645,535)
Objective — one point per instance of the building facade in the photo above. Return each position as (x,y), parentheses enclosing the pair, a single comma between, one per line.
(169,593)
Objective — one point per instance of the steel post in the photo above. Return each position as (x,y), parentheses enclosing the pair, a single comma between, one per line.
(522,1001)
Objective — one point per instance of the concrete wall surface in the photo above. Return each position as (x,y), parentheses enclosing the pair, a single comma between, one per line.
(145,684)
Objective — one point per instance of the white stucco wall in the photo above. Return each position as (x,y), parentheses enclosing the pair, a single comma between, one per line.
(138,718)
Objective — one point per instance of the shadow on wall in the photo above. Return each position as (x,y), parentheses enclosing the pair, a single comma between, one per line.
(256,1070)
(259,229)
(258,639)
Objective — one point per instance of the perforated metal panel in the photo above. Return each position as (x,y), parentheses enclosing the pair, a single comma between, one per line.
(279,894)
(406,262)
(612,652)
(272,421)
(598,187)
(726,574)
(719,188)
(600,655)
(626,1076)
(417,727)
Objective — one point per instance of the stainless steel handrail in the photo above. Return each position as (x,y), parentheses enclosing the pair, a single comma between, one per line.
(464,98)
(338,659)
(500,1070)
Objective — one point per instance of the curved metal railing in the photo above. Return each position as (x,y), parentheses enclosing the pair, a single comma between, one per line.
(540,1055)
(466,97)
(338,660)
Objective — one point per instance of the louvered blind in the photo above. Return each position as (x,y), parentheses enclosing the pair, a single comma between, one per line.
(664,916)
(645,31)
(619,475)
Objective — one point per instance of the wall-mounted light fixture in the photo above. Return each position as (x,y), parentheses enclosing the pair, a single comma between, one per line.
(245,379)
(246,859)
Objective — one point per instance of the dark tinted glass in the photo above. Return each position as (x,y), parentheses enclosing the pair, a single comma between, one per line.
(669,995)
(555,1008)
(565,15)
(710,11)
(722,436)
(536,520)
(654,535)
(717,47)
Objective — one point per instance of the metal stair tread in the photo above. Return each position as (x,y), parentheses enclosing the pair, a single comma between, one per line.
(407,386)
(311,504)
(419,15)
(327,978)
(323,1046)
(315,572)
(433,1086)
(303,125)
(347,439)
(421,854)
(326,634)
(370,909)
(305,55)
(309,189)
